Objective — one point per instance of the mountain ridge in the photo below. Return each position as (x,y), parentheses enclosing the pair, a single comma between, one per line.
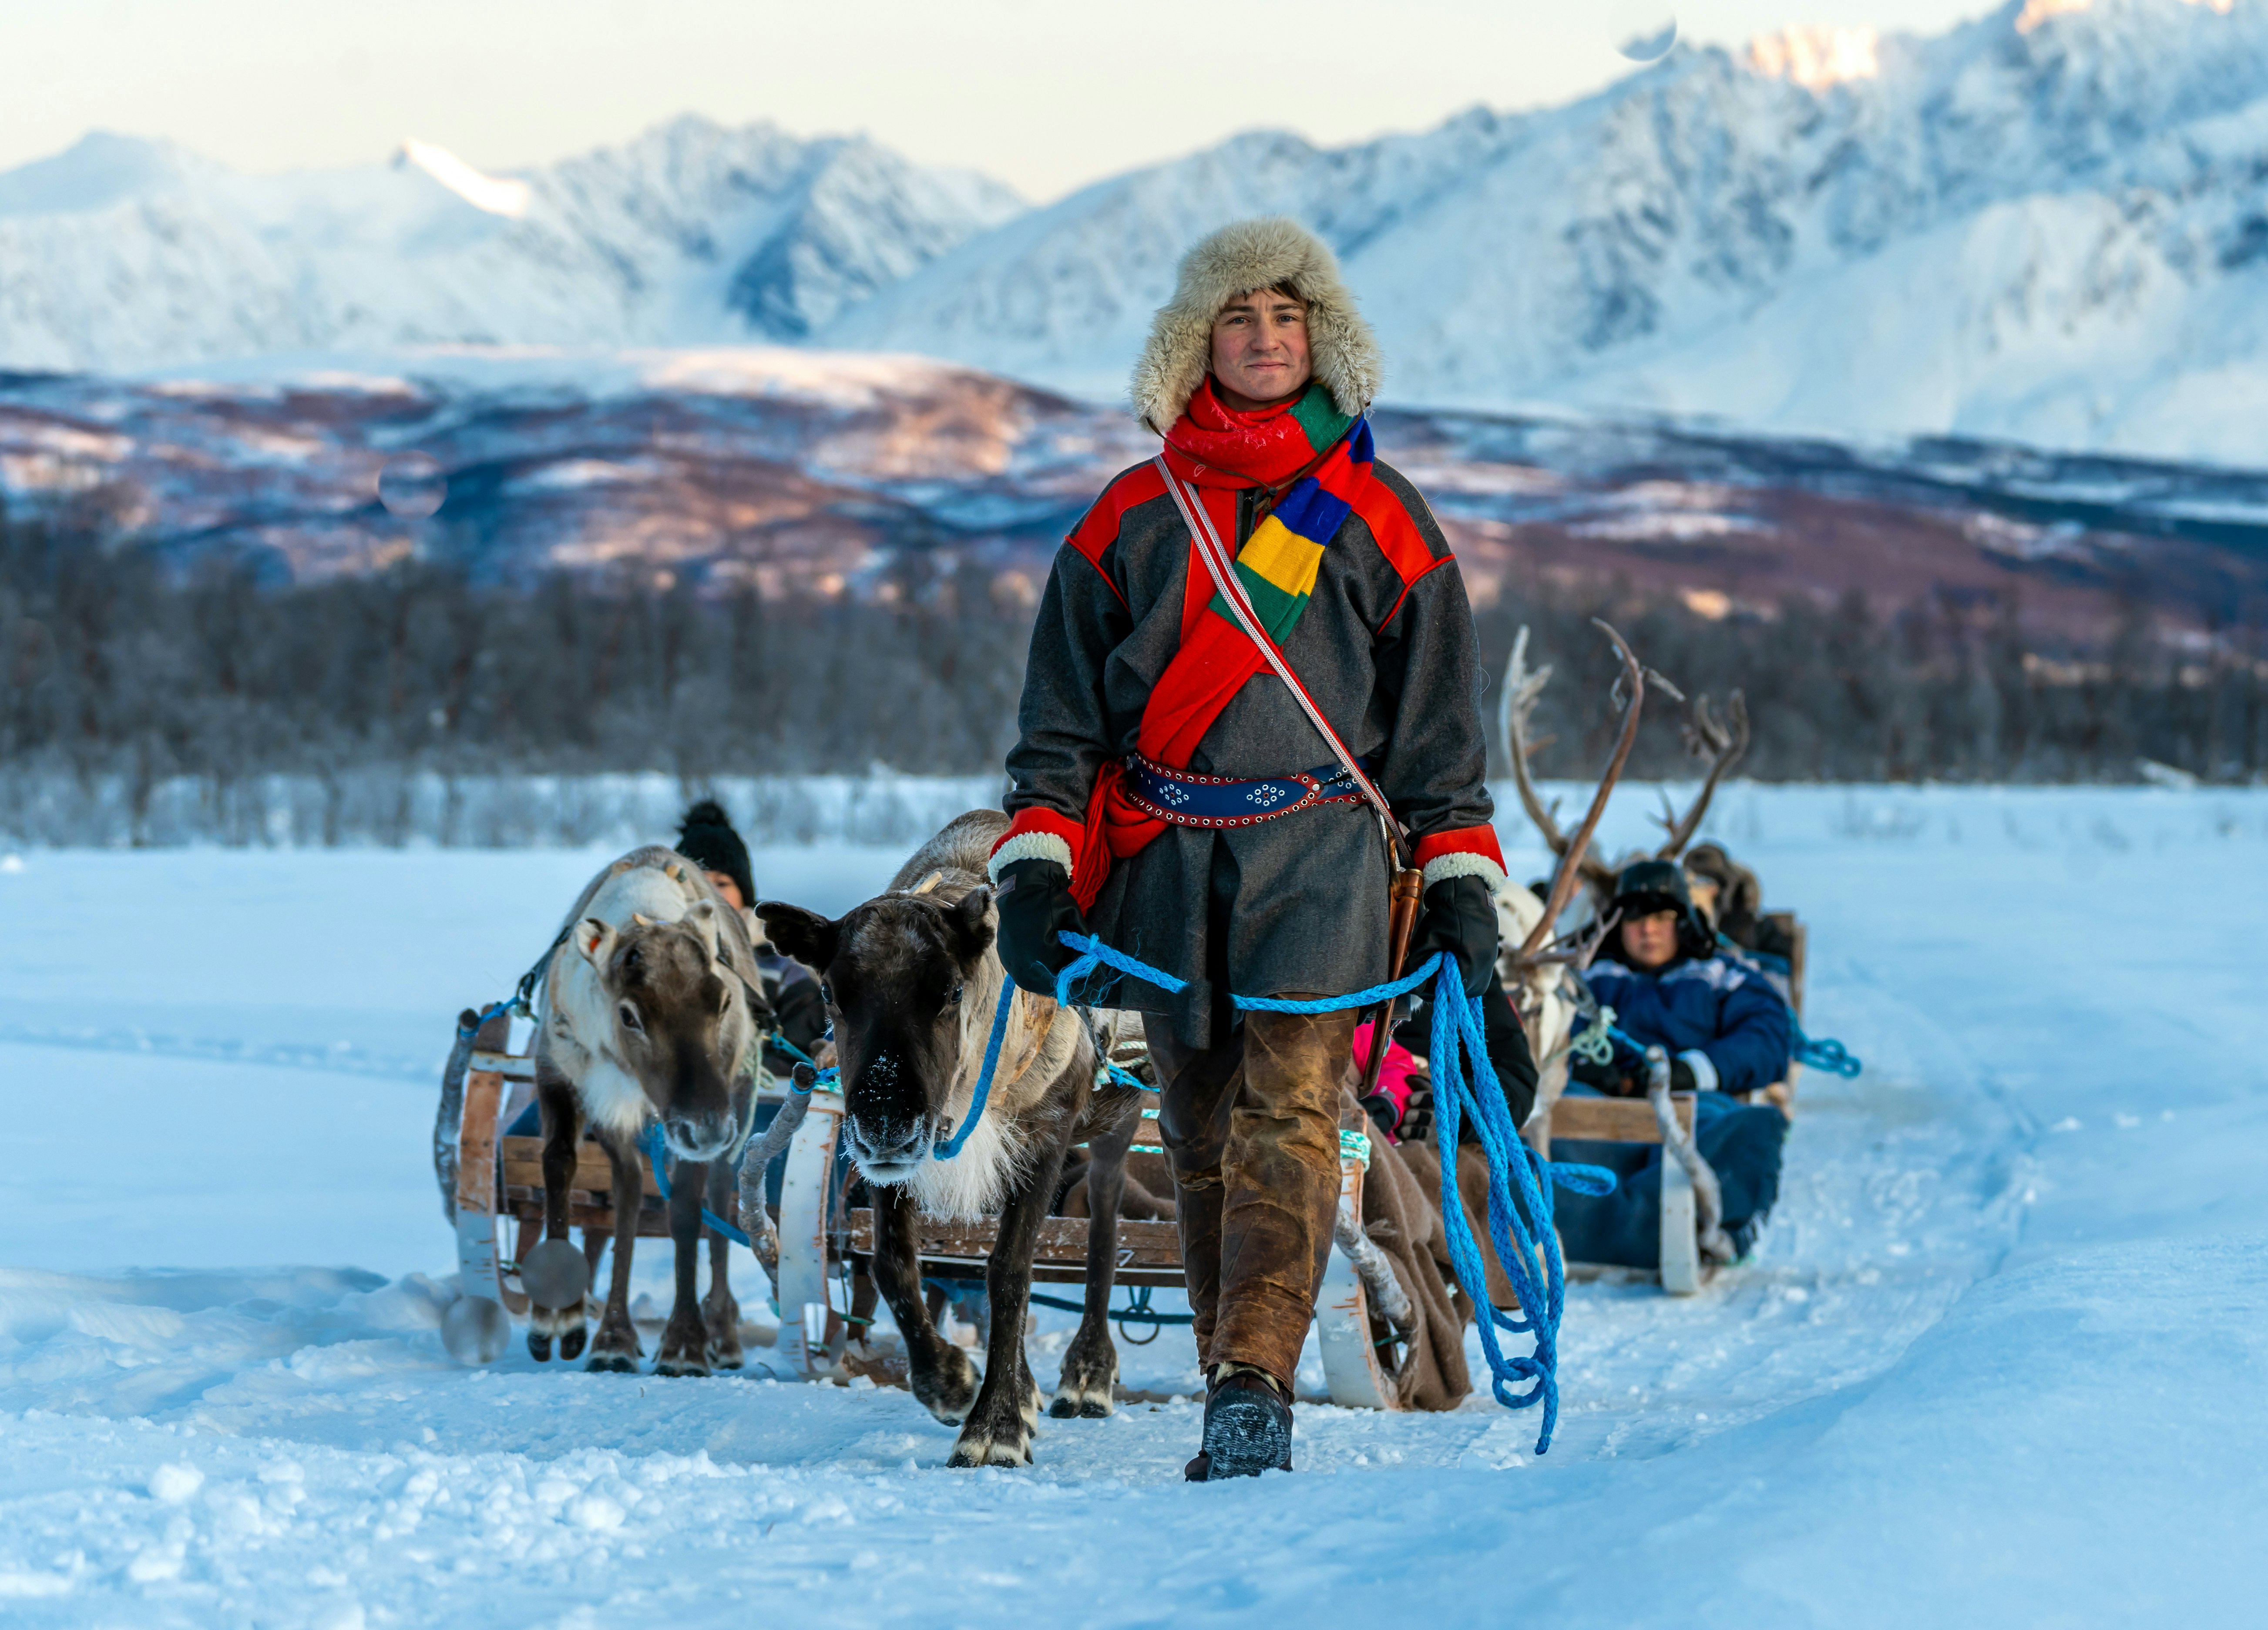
(2048,224)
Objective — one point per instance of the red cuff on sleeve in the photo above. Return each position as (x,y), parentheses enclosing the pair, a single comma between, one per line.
(1473,840)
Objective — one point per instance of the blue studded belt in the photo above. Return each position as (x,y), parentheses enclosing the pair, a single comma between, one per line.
(1188,800)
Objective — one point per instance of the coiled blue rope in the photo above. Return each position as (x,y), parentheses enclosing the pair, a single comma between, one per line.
(1457,1037)
(1824,1052)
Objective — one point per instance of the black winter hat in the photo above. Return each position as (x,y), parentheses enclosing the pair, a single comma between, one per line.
(1651,885)
(705,837)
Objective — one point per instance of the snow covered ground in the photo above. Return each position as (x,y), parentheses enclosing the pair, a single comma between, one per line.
(2002,1359)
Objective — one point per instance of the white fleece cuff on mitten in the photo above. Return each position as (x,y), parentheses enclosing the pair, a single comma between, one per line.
(1460,864)
(1029,846)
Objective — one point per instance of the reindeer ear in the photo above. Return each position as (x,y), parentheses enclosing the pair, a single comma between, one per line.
(807,936)
(595,940)
(970,923)
(702,920)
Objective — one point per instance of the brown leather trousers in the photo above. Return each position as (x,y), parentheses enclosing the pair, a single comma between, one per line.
(1251,1130)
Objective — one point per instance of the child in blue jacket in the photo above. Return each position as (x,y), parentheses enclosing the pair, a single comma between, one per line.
(1727,1032)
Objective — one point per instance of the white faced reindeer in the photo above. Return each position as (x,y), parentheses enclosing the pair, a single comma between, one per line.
(912,983)
(653,1011)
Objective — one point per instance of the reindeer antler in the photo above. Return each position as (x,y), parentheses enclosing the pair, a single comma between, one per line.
(1576,850)
(1521,691)
(1721,742)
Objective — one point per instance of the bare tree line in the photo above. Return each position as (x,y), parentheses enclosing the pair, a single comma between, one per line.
(125,681)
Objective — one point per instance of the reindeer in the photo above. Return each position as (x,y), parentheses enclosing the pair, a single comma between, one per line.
(1540,974)
(652,1011)
(1720,742)
(912,983)
(1543,981)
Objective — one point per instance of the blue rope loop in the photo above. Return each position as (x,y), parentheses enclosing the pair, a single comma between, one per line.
(1824,1052)
(509,1005)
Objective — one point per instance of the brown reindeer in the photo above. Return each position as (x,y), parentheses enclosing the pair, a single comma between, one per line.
(912,983)
(653,1011)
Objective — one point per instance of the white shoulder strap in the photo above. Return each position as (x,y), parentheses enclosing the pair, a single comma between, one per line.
(1220,565)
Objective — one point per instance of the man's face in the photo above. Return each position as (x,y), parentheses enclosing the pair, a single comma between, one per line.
(1652,940)
(1260,348)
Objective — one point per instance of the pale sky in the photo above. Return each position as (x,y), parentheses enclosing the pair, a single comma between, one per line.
(1044,96)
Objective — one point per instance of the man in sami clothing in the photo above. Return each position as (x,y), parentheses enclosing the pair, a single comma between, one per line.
(1172,795)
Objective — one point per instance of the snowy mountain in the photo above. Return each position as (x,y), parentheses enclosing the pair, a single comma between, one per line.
(123,254)
(2049,224)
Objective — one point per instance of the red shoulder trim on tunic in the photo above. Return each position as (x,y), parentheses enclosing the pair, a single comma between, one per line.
(1098,530)
(1399,540)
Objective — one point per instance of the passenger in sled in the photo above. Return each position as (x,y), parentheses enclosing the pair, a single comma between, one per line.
(1727,1031)
(706,837)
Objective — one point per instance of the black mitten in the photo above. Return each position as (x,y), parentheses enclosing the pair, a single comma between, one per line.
(1459,917)
(1035,905)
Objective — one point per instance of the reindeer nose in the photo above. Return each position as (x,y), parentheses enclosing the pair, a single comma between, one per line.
(881,1147)
(696,1138)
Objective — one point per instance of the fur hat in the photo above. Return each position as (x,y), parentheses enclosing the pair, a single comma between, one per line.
(705,837)
(1269,253)
(1651,886)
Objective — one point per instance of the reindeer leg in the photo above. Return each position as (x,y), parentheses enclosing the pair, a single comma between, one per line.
(685,1339)
(718,1312)
(939,1373)
(616,1348)
(999,1431)
(1090,1366)
(562,1130)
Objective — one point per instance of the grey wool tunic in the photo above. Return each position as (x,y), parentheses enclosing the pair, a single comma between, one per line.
(1385,648)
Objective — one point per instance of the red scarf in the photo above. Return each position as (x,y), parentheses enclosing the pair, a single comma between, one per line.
(1222,451)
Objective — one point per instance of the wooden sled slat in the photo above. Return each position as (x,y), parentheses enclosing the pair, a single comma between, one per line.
(594,1173)
(1617,1120)
(1147,1247)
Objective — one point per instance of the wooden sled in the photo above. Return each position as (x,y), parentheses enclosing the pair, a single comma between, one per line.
(1633,1120)
(1149,1254)
(499,1181)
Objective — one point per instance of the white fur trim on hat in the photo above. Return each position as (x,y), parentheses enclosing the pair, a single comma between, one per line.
(1029,846)
(1459,864)
(1267,252)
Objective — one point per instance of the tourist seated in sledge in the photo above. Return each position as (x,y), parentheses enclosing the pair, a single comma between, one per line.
(1727,1032)
(706,837)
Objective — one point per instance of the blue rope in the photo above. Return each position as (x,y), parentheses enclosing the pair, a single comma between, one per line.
(1456,1025)
(1824,1052)
(1127,1078)
(658,1153)
(486,1013)
(950,1146)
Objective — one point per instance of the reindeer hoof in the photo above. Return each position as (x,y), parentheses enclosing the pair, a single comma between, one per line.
(611,1364)
(538,1346)
(949,1391)
(721,1358)
(976,1449)
(1076,1402)
(692,1366)
(570,1343)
